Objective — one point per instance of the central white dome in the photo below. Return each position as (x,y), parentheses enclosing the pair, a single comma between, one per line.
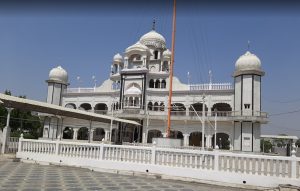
(59,74)
(154,39)
(248,61)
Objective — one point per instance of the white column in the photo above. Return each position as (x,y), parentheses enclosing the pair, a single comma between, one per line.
(125,62)
(91,134)
(75,134)
(144,138)
(186,139)
(6,132)
(160,83)
(208,141)
(107,135)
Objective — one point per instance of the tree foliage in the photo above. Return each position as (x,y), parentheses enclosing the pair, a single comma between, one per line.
(266,146)
(21,121)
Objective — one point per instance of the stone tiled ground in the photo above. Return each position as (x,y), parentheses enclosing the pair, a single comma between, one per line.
(17,176)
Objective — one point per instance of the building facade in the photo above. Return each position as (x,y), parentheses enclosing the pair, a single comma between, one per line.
(138,89)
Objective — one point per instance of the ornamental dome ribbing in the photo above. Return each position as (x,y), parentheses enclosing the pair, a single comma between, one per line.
(153,38)
(248,61)
(118,58)
(59,74)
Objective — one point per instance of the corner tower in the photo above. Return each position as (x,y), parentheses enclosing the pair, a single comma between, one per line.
(57,83)
(247,102)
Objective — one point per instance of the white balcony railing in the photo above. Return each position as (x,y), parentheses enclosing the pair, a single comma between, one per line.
(213,86)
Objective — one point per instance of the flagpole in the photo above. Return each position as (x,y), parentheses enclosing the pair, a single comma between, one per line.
(171,70)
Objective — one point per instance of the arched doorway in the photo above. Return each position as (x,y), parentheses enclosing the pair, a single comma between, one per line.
(68,133)
(222,109)
(99,134)
(131,133)
(83,134)
(153,134)
(85,106)
(223,141)
(197,107)
(176,134)
(100,108)
(195,139)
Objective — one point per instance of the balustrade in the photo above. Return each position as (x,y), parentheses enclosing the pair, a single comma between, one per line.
(239,163)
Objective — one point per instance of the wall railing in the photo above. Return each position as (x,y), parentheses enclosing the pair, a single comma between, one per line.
(238,168)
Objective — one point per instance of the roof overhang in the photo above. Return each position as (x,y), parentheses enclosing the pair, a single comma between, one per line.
(31,105)
(279,137)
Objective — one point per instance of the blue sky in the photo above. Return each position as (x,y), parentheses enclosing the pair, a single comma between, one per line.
(83,38)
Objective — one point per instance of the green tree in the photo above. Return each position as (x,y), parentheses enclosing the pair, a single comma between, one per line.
(265,146)
(21,121)
(298,143)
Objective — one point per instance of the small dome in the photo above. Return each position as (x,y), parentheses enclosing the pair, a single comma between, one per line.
(133,91)
(248,61)
(154,39)
(58,74)
(137,46)
(167,53)
(118,58)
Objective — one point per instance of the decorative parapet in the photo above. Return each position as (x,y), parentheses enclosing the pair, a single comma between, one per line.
(212,86)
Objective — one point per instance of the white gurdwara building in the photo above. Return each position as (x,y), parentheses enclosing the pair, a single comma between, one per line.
(138,89)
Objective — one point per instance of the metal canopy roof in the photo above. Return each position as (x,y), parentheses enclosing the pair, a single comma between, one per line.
(31,105)
(279,137)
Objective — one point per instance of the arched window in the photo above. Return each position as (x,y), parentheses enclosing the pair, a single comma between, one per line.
(197,107)
(163,84)
(68,133)
(130,101)
(153,134)
(155,106)
(98,134)
(155,54)
(162,106)
(85,106)
(70,105)
(165,66)
(151,83)
(150,106)
(83,134)
(222,109)
(157,84)
(101,108)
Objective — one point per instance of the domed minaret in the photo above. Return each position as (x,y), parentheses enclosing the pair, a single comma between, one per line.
(57,83)
(247,102)
(117,64)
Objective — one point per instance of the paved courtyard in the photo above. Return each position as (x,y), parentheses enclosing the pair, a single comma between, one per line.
(19,176)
